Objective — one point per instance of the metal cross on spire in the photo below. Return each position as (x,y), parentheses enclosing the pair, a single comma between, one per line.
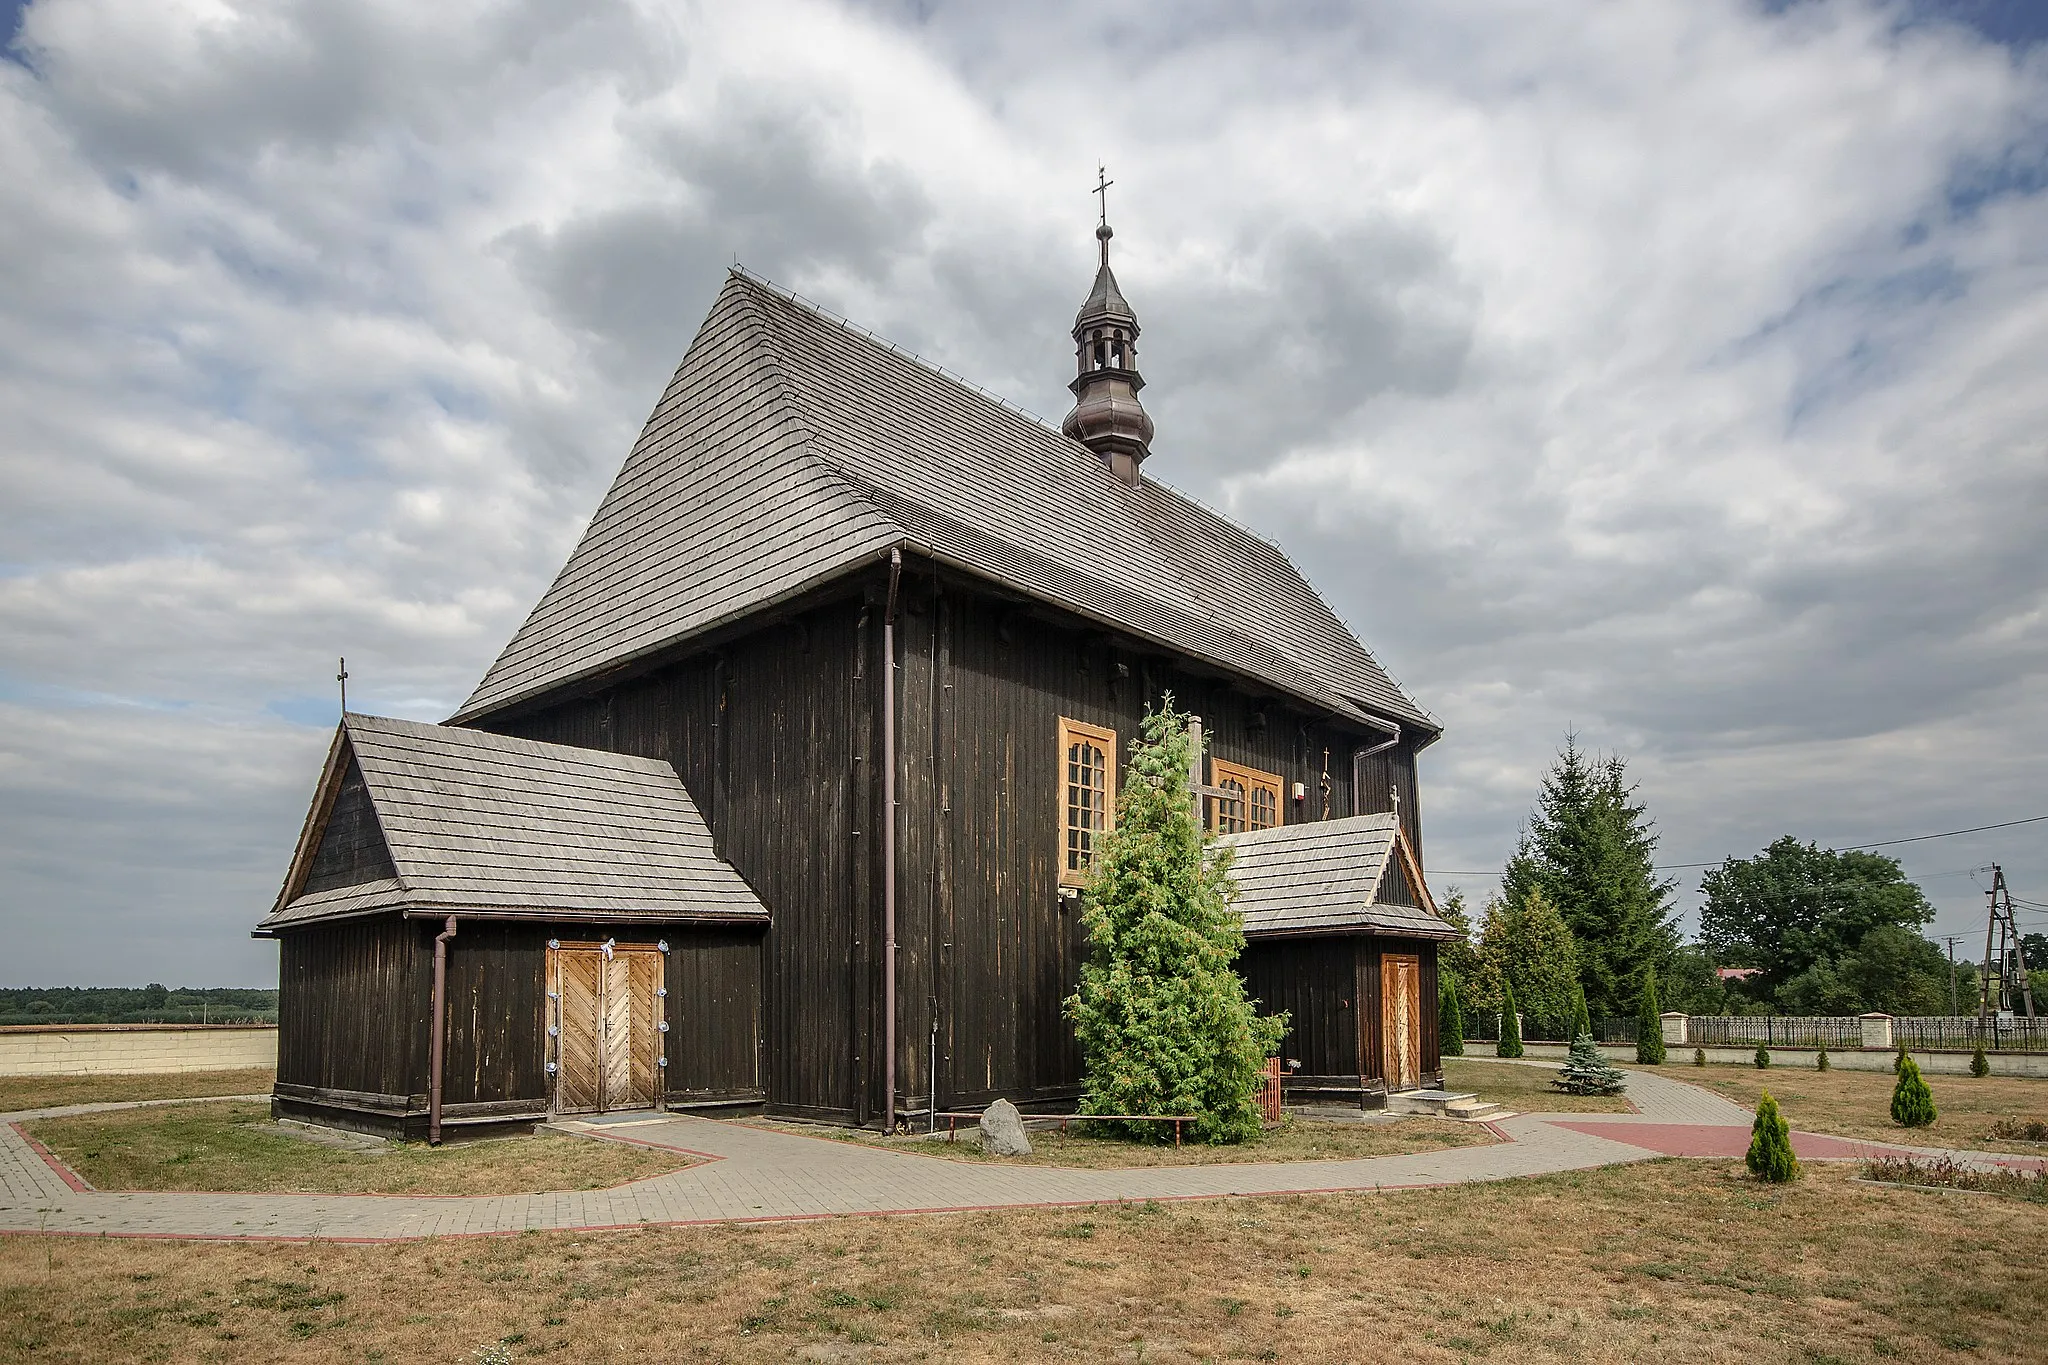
(342,678)
(1102,184)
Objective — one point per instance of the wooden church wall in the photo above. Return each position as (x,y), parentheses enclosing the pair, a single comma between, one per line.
(772,735)
(987,947)
(353,1002)
(1316,981)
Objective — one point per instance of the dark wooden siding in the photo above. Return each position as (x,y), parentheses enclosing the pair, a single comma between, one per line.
(1379,776)
(352,848)
(773,735)
(352,1008)
(497,1014)
(714,1016)
(1314,980)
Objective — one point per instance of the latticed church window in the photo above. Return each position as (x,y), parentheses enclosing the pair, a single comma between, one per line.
(1088,794)
(1243,798)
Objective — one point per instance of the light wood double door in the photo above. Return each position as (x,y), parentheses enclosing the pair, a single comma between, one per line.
(607,1028)
(1401,1020)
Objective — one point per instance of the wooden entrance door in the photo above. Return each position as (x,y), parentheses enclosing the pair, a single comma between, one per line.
(1401,1019)
(608,1043)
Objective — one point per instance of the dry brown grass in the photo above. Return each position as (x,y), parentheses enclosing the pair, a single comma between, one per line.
(1858,1103)
(47,1092)
(1666,1261)
(234,1147)
(1525,1089)
(1295,1140)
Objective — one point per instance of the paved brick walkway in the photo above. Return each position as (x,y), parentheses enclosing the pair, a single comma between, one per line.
(760,1174)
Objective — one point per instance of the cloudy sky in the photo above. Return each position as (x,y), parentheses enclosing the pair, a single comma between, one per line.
(1672,372)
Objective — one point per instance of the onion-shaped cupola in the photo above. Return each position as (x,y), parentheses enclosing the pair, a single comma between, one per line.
(1107,416)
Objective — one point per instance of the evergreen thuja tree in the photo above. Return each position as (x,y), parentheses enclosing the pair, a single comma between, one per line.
(1912,1101)
(1582,1017)
(1163,1020)
(1770,1145)
(1450,1018)
(1510,1044)
(1980,1065)
(1649,1024)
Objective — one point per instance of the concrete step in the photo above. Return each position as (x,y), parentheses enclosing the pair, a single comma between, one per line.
(1444,1104)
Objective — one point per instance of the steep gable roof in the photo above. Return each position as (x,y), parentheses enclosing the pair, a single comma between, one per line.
(476,823)
(791,447)
(1327,876)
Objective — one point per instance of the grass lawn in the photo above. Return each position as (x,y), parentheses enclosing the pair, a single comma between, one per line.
(47,1092)
(1294,1140)
(223,1147)
(1858,1103)
(1662,1261)
(1525,1089)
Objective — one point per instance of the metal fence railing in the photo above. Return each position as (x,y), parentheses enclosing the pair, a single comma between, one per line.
(1485,1028)
(1774,1030)
(1960,1033)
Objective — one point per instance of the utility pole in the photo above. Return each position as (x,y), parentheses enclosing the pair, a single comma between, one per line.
(1999,922)
(1954,1003)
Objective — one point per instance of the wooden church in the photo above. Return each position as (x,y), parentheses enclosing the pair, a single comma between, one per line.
(781,798)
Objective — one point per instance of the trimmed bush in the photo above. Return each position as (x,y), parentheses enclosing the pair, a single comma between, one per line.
(1649,1024)
(1980,1065)
(1763,1058)
(1820,1061)
(1510,1044)
(1770,1156)
(1586,1072)
(1912,1101)
(1450,1019)
(1699,1056)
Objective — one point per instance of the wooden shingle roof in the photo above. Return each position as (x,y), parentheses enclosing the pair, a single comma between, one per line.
(791,448)
(477,823)
(1326,876)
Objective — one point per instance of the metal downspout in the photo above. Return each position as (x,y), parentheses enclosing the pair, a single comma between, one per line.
(437,1046)
(889,845)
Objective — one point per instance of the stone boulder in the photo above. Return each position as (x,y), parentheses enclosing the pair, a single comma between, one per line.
(1002,1131)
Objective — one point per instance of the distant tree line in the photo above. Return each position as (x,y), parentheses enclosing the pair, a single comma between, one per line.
(1582,915)
(151,1004)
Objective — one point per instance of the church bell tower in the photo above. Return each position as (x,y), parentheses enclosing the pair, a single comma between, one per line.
(1107,416)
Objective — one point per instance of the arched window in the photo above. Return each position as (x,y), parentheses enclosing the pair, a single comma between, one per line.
(1250,800)
(1230,807)
(1087,794)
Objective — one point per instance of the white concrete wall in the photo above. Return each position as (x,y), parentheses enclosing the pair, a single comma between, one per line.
(85,1049)
(1678,1060)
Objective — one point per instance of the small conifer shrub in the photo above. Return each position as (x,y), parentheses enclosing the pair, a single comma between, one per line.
(1763,1058)
(1699,1056)
(1899,1060)
(1450,1019)
(1510,1044)
(1586,1072)
(1649,1024)
(1980,1065)
(1582,1018)
(1770,1156)
(1820,1061)
(1912,1101)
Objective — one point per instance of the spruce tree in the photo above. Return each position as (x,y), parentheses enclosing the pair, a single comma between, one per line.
(1590,848)
(1161,1014)
(1586,1072)
(1912,1101)
(1510,1044)
(1649,1023)
(1450,1018)
(1770,1145)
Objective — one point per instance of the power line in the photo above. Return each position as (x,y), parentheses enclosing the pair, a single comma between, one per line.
(1846,848)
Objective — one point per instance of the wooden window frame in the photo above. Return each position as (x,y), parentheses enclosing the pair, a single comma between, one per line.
(1072,732)
(1252,780)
